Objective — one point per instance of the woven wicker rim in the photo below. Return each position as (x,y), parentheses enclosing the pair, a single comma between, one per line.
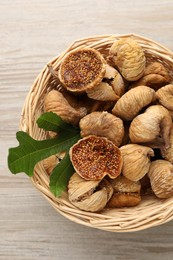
(151,211)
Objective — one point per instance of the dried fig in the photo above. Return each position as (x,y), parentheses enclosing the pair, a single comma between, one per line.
(157,68)
(155,76)
(102,92)
(129,57)
(129,105)
(89,195)
(57,103)
(161,178)
(115,80)
(81,70)
(165,96)
(110,72)
(94,157)
(136,161)
(171,113)
(154,122)
(103,124)
(110,89)
(119,200)
(126,193)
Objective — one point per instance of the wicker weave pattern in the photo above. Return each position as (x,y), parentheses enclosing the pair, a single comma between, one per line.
(151,211)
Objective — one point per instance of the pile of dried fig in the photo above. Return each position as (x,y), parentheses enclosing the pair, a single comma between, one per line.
(123,105)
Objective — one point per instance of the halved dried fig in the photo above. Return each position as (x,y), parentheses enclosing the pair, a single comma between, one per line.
(82,70)
(93,157)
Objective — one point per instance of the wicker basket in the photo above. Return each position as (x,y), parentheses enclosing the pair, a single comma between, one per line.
(151,211)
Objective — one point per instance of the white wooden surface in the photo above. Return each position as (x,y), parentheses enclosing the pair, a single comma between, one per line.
(31,33)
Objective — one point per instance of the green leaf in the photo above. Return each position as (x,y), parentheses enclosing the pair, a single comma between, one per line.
(50,121)
(24,157)
(61,175)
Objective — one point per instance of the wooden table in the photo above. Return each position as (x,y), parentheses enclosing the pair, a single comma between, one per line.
(31,33)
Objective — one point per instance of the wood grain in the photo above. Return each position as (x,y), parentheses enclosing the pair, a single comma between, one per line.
(31,33)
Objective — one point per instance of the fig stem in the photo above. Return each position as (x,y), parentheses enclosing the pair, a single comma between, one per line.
(52,71)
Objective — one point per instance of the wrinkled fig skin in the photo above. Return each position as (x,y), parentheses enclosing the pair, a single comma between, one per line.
(110,72)
(165,96)
(161,178)
(126,193)
(103,124)
(118,85)
(115,80)
(136,161)
(157,68)
(129,57)
(122,184)
(110,90)
(102,92)
(171,113)
(57,103)
(129,105)
(167,154)
(89,195)
(154,81)
(154,122)
(155,76)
